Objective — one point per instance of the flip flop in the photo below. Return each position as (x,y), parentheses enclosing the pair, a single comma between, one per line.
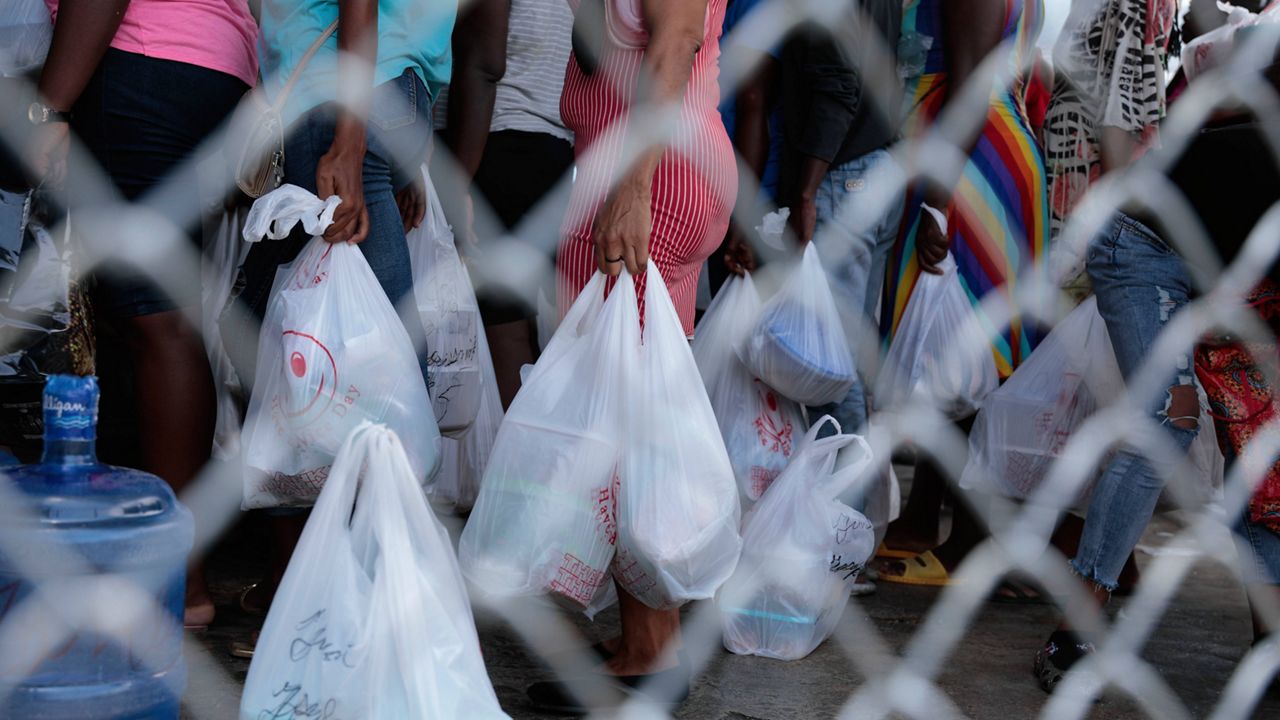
(884,551)
(923,569)
(1019,593)
(247,607)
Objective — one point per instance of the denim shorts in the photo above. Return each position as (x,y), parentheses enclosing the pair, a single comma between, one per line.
(141,118)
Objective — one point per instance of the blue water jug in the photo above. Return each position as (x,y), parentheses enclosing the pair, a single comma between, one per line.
(83,547)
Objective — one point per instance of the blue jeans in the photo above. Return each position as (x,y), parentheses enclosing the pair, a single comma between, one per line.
(859,209)
(1262,565)
(399,138)
(1140,283)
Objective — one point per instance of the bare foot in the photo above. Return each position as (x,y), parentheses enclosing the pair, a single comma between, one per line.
(624,662)
(198,610)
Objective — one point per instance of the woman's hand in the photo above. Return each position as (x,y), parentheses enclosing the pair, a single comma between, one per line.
(931,243)
(341,172)
(621,232)
(47,153)
(412,202)
(739,258)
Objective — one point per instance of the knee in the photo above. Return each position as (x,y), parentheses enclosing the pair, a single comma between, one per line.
(1182,409)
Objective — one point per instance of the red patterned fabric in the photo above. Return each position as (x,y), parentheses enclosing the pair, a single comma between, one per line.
(1241,401)
(694,185)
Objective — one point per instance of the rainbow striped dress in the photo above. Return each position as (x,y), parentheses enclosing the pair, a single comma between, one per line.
(999,215)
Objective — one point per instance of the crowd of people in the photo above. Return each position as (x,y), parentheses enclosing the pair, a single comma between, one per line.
(900,134)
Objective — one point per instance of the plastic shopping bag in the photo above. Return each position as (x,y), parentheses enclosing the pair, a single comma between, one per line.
(332,353)
(545,518)
(371,619)
(224,252)
(1215,47)
(463,459)
(450,316)
(940,353)
(802,552)
(798,346)
(26,30)
(758,425)
(1024,425)
(677,505)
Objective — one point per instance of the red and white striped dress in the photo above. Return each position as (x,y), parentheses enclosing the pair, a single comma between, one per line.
(694,185)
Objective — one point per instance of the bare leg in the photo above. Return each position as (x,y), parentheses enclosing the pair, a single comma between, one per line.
(649,641)
(176,412)
(916,529)
(512,345)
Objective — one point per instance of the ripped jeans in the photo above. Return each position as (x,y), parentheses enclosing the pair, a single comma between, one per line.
(1140,283)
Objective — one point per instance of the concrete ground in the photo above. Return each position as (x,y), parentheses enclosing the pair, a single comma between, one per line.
(1196,648)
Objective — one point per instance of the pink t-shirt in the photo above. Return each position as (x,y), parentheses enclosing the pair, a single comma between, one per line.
(216,34)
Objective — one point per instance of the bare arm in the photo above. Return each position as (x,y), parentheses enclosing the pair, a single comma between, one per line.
(340,170)
(751,140)
(972,29)
(479,62)
(80,38)
(624,223)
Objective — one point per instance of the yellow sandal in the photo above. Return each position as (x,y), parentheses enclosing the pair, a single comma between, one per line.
(923,569)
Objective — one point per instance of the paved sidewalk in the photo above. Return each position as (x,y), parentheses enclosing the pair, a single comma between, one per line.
(1196,648)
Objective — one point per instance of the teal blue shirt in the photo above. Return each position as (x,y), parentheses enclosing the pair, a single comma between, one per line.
(411,34)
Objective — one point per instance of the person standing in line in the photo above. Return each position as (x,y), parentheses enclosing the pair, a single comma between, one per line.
(670,205)
(1107,102)
(142,84)
(506,134)
(358,126)
(841,104)
(997,227)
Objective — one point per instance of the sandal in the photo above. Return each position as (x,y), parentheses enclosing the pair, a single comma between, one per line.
(923,569)
(884,551)
(247,606)
(241,649)
(1061,651)
(1013,591)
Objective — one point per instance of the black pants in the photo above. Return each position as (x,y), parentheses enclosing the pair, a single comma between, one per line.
(518,171)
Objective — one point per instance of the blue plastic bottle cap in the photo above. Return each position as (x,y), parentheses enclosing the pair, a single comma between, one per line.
(70,407)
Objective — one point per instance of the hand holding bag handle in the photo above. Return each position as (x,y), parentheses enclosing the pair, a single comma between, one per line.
(260,167)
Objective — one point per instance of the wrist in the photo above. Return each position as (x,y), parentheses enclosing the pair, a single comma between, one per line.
(349,134)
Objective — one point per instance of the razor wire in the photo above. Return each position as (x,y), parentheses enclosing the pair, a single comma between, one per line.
(146,231)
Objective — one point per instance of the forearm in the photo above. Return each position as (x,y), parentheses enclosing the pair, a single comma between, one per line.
(358,54)
(479,62)
(972,31)
(1118,147)
(674,40)
(81,36)
(810,172)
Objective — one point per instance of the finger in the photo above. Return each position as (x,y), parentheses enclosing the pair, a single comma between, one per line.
(419,209)
(362,227)
(613,254)
(600,263)
(631,256)
(339,232)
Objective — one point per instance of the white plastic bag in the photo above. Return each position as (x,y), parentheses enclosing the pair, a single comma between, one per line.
(759,426)
(798,346)
(26,29)
(450,316)
(802,552)
(332,353)
(1024,425)
(223,254)
(1214,48)
(463,459)
(940,353)
(371,619)
(678,507)
(545,518)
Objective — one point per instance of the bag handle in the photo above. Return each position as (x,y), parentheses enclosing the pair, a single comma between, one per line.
(302,64)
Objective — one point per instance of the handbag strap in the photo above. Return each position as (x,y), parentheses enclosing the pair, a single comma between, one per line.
(302,64)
